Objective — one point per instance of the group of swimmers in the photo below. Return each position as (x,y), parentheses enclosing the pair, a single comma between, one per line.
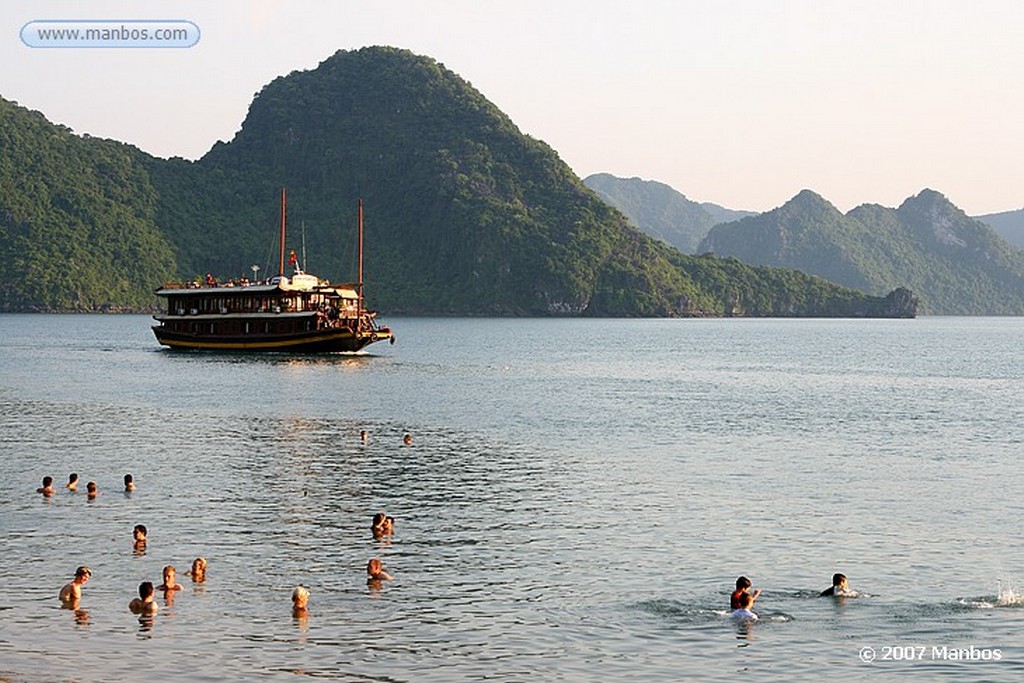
(91,490)
(741,601)
(364,436)
(145,604)
(381,526)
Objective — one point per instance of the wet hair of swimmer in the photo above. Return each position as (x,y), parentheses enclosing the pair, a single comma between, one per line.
(743,582)
(837,579)
(145,589)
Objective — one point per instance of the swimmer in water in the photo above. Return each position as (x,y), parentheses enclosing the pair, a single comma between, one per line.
(375,571)
(364,436)
(71,593)
(743,613)
(388,527)
(742,586)
(47,488)
(838,588)
(144,605)
(90,489)
(139,534)
(407,439)
(198,571)
(129,483)
(170,583)
(300,598)
(72,484)
(377,526)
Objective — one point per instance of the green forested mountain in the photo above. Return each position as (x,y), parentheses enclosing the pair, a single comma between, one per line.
(464,213)
(955,264)
(1009,224)
(77,229)
(660,211)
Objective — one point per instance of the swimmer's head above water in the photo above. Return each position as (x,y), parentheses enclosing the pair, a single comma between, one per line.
(300,598)
(839,586)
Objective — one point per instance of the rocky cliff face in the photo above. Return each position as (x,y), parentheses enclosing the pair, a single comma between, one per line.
(901,303)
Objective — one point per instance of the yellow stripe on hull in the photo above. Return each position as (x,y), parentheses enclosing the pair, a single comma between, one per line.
(271,345)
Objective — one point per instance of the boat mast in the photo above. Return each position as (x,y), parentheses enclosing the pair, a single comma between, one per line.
(359,273)
(284,204)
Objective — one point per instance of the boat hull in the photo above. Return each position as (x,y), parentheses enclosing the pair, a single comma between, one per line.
(316,341)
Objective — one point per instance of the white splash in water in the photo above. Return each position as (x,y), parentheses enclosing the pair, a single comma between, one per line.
(1009,597)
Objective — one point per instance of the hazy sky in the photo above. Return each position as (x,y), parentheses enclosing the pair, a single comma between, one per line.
(742,103)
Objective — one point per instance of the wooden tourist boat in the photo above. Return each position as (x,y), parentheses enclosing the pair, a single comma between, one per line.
(300,313)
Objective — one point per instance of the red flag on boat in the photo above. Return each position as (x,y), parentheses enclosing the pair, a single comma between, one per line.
(292,259)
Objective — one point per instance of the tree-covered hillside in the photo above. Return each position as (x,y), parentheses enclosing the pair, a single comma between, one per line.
(955,264)
(77,230)
(465,215)
(464,212)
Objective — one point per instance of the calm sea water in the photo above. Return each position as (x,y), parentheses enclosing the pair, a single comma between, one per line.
(577,502)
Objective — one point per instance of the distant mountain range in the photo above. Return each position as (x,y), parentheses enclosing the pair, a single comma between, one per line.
(1009,224)
(661,211)
(956,264)
(465,215)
